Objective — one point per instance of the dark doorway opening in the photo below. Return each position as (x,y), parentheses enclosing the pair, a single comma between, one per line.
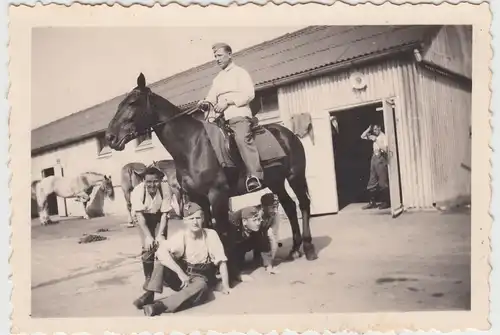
(353,154)
(52,198)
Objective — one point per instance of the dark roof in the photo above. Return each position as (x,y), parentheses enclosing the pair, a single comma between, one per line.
(291,54)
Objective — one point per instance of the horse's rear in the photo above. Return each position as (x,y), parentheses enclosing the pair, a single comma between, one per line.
(34,185)
(169,169)
(130,179)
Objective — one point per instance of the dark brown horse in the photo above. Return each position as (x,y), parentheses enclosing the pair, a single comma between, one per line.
(200,174)
(131,177)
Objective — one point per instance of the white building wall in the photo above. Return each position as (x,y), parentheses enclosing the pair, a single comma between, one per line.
(318,96)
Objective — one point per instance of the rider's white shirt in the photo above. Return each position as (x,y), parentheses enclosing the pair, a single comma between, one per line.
(235,84)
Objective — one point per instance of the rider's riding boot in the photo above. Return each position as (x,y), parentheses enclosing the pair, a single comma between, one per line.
(253,184)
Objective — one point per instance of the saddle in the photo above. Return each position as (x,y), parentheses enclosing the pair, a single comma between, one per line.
(222,140)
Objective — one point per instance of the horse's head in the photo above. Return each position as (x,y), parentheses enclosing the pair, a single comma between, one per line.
(107,187)
(134,116)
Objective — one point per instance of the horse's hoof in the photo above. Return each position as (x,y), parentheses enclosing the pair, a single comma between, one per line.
(310,252)
(294,254)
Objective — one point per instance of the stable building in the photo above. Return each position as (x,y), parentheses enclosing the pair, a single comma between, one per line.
(415,81)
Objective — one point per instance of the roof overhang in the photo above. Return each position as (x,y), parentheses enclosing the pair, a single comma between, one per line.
(363,60)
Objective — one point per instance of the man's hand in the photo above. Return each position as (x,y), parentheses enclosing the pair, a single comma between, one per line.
(160,238)
(221,106)
(226,290)
(184,280)
(149,242)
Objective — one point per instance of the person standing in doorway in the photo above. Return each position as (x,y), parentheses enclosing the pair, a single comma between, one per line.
(231,93)
(378,184)
(151,202)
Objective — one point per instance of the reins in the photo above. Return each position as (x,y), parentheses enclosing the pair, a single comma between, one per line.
(151,128)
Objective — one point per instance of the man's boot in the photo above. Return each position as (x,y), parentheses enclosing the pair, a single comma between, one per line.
(372,203)
(386,199)
(148,296)
(155,308)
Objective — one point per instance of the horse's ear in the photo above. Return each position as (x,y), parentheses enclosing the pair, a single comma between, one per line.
(141,81)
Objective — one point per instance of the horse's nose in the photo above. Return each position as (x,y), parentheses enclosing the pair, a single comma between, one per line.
(110,138)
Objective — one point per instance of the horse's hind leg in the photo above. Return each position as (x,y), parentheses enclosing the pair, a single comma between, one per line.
(299,187)
(291,212)
(126,194)
(42,203)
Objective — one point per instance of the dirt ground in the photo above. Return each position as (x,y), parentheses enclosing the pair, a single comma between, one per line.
(367,262)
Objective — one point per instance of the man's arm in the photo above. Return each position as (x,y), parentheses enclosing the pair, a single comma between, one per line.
(366,135)
(138,207)
(224,276)
(161,228)
(246,91)
(141,221)
(166,206)
(166,253)
(212,94)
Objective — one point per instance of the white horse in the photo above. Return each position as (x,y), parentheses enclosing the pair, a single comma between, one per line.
(79,187)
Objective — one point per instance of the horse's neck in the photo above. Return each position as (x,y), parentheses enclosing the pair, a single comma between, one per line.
(93,179)
(177,135)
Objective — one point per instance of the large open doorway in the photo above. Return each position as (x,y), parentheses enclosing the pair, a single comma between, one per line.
(351,153)
(53,208)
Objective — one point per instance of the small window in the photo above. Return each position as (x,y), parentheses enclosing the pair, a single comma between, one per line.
(265,102)
(145,139)
(269,102)
(103,148)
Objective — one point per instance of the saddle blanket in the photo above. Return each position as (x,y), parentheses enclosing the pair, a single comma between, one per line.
(268,147)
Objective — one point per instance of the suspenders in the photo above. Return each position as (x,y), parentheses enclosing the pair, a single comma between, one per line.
(144,193)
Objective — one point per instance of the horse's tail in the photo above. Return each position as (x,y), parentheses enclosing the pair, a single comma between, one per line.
(33,188)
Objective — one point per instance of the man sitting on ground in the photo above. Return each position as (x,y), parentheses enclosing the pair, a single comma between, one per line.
(187,263)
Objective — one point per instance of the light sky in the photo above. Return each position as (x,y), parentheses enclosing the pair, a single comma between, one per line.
(76,68)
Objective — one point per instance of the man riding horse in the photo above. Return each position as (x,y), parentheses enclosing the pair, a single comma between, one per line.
(231,93)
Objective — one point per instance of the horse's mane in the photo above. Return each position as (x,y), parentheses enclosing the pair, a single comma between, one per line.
(168,105)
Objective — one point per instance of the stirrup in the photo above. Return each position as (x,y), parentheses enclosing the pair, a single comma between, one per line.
(255,188)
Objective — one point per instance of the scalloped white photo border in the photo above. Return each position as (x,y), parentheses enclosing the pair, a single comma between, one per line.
(321,322)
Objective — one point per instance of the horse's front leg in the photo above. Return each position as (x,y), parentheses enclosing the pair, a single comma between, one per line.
(299,187)
(290,209)
(219,201)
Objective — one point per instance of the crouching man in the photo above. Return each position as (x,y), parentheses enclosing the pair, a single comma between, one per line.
(257,229)
(188,263)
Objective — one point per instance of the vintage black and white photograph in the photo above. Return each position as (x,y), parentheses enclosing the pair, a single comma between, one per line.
(239,170)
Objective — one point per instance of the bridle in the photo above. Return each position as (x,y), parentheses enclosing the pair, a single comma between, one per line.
(149,129)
